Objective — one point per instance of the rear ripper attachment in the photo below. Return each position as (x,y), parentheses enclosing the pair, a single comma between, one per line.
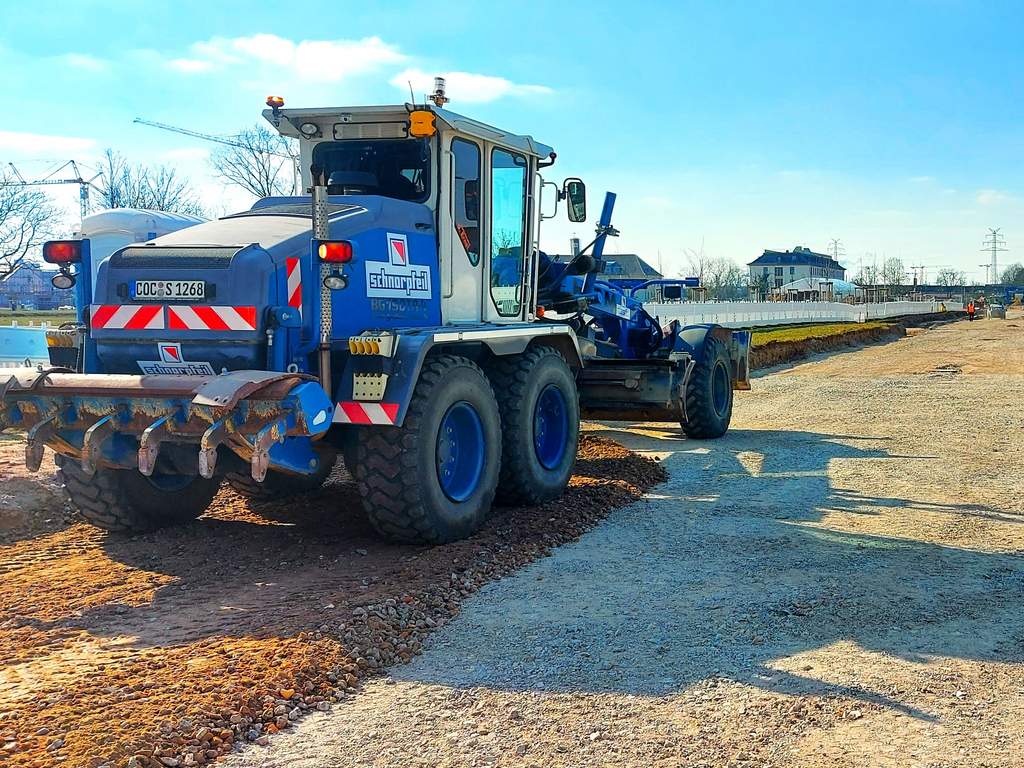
(169,425)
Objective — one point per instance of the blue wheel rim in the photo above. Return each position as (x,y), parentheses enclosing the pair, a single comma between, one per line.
(720,387)
(550,427)
(460,452)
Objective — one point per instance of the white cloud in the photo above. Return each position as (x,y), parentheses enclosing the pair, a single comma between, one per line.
(84,61)
(991,197)
(466,87)
(315,60)
(190,66)
(37,143)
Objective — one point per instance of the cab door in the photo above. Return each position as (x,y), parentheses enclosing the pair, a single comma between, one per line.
(508,225)
(462,229)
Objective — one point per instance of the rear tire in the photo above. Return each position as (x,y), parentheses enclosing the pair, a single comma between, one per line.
(279,485)
(125,500)
(709,393)
(540,421)
(433,479)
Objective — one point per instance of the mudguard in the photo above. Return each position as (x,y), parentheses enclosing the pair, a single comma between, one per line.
(402,369)
(692,341)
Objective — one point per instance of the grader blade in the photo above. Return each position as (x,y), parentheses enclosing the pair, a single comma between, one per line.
(121,421)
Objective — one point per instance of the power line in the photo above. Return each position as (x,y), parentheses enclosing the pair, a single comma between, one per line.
(994,244)
(836,249)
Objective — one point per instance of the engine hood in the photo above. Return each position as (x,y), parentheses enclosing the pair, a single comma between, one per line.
(283,226)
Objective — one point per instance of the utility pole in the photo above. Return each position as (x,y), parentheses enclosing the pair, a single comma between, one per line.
(835,248)
(986,267)
(918,277)
(994,243)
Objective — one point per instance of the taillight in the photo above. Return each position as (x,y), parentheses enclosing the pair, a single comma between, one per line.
(336,251)
(62,251)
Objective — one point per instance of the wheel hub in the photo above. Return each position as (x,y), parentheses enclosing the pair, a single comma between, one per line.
(460,451)
(550,427)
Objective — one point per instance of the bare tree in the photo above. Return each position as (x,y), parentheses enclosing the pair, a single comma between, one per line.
(262,163)
(1013,275)
(761,284)
(868,274)
(697,262)
(27,218)
(893,272)
(157,188)
(724,279)
(948,278)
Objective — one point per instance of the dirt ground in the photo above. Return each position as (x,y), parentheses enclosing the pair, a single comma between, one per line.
(170,648)
(837,582)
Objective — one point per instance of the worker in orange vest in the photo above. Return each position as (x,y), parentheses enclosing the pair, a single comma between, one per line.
(970,310)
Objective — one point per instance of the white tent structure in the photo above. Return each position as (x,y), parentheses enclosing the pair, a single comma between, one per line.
(818,288)
(115,228)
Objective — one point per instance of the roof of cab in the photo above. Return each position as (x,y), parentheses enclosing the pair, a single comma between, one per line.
(467,125)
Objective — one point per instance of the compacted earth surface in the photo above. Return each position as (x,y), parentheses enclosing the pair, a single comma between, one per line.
(173,648)
(836,582)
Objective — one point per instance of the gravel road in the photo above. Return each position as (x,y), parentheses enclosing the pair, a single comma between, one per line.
(837,582)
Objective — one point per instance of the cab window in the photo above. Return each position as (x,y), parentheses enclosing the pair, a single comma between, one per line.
(398,168)
(466,156)
(508,229)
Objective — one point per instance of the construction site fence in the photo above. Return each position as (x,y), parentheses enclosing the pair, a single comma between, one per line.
(745,314)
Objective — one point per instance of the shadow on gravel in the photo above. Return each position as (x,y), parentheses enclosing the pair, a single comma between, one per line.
(727,572)
(180,643)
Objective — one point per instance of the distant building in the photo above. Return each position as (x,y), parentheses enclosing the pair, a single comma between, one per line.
(626,270)
(29,287)
(773,269)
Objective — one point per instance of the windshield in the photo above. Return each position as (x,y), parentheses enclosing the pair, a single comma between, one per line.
(398,168)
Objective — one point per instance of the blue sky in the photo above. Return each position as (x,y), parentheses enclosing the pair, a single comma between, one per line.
(895,126)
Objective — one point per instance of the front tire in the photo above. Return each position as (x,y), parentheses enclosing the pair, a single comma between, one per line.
(540,420)
(709,393)
(433,479)
(125,500)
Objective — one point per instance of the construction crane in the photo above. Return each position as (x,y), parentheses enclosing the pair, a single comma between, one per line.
(83,183)
(292,159)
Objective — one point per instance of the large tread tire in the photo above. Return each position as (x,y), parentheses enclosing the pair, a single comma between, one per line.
(278,485)
(708,404)
(124,500)
(518,382)
(396,467)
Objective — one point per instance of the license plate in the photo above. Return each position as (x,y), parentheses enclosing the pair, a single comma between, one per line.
(185,290)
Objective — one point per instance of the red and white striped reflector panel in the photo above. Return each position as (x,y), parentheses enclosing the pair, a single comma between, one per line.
(294,284)
(366,413)
(144,317)
(195,318)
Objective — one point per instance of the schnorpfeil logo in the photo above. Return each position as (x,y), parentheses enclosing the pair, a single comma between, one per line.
(398,250)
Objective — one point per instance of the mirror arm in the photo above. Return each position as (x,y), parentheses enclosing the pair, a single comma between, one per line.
(547,163)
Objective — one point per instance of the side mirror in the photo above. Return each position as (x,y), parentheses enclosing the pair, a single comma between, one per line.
(672,292)
(575,191)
